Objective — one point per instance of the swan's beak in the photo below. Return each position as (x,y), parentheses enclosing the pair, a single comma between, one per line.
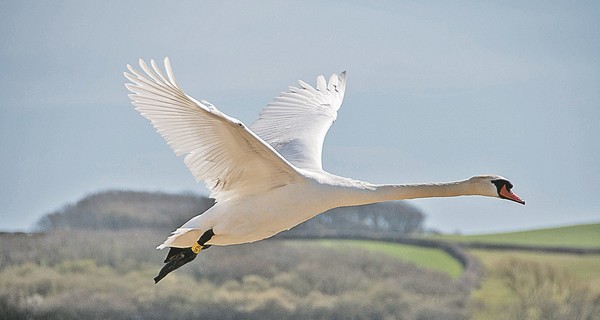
(507,194)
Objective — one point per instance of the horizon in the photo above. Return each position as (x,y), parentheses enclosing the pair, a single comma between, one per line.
(34,227)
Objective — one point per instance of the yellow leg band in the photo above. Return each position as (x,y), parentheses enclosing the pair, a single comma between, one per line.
(196,248)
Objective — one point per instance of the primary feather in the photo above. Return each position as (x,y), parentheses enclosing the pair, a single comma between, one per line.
(296,122)
(218,149)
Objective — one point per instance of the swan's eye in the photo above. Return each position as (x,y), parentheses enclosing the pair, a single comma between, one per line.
(499,183)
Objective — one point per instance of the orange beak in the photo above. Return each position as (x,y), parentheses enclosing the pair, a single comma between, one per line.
(507,194)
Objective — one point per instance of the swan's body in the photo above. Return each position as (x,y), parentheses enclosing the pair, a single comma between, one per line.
(268,178)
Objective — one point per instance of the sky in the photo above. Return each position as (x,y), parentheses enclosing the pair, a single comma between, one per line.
(437,91)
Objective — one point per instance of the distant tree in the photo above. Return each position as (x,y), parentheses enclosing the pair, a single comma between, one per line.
(390,217)
(116,210)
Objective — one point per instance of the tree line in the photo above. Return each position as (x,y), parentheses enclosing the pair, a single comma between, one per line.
(116,210)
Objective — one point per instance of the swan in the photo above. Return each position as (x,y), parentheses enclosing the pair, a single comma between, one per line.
(266,178)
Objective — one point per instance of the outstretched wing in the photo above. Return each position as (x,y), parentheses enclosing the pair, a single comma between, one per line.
(296,122)
(218,149)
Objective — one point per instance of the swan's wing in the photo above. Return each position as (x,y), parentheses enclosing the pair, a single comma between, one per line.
(218,149)
(296,122)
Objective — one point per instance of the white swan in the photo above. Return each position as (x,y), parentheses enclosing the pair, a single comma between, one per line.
(267,178)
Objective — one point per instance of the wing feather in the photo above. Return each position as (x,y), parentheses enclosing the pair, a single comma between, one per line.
(296,122)
(218,149)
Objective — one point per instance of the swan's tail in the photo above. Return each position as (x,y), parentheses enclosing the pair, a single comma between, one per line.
(181,238)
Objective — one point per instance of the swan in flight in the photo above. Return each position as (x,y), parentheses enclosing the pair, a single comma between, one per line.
(266,178)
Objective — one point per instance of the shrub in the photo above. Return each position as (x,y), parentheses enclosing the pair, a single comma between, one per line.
(108,274)
(546,292)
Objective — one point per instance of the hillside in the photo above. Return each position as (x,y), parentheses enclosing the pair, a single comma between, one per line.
(577,236)
(107,274)
(96,260)
(539,283)
(116,210)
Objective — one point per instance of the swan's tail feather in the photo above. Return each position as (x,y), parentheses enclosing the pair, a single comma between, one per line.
(181,238)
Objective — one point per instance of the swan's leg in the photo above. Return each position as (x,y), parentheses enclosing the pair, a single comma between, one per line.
(180,256)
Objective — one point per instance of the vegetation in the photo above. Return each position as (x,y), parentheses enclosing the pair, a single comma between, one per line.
(538,285)
(116,210)
(96,260)
(584,268)
(432,258)
(526,285)
(396,217)
(108,274)
(579,236)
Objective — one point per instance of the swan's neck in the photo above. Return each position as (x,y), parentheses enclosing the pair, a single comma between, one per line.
(364,193)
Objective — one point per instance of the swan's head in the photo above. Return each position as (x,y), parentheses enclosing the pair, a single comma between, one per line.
(495,186)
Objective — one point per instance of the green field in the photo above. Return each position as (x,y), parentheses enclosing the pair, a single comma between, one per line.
(547,284)
(431,258)
(579,236)
(585,268)
(518,284)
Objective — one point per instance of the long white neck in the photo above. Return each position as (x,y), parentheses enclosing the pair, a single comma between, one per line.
(358,193)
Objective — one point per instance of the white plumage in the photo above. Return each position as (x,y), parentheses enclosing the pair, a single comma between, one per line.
(268,178)
(296,122)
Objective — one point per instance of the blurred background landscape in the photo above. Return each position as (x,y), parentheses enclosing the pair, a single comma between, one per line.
(95,259)
(437,91)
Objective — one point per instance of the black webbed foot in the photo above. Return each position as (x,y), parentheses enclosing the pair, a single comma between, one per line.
(177,257)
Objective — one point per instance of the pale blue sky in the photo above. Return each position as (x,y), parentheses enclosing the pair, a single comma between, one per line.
(437,90)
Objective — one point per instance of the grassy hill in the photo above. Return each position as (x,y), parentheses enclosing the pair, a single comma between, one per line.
(520,285)
(537,285)
(97,261)
(431,258)
(578,236)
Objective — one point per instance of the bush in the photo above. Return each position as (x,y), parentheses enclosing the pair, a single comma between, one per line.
(108,274)
(117,210)
(546,292)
